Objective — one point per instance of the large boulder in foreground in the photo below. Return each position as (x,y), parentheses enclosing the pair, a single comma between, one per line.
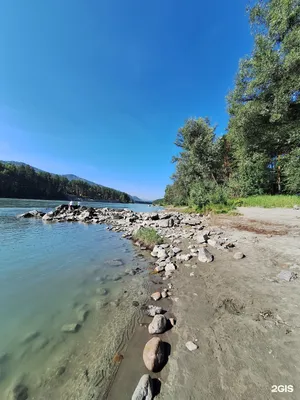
(154,354)
(144,389)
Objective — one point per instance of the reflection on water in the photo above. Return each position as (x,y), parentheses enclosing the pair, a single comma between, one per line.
(52,275)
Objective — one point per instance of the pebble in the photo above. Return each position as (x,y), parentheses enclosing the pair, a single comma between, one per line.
(238,255)
(287,275)
(153,310)
(170,267)
(172,321)
(191,346)
(156,296)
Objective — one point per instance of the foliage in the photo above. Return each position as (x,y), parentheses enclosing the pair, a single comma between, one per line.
(280,201)
(260,153)
(148,237)
(264,106)
(158,202)
(22,181)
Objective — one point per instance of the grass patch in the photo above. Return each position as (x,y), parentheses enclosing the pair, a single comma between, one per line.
(268,201)
(148,237)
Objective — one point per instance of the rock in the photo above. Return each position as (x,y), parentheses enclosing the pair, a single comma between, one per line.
(296,207)
(170,267)
(30,336)
(212,242)
(18,392)
(176,250)
(117,262)
(159,268)
(154,354)
(48,217)
(153,310)
(161,254)
(202,237)
(144,389)
(102,291)
(163,223)
(204,255)
(39,344)
(156,296)
(183,257)
(172,321)
(164,294)
(82,315)
(135,303)
(4,356)
(164,246)
(191,346)
(191,221)
(158,324)
(70,328)
(286,275)
(238,255)
(32,214)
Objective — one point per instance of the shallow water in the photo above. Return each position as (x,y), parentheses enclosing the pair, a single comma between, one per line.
(47,271)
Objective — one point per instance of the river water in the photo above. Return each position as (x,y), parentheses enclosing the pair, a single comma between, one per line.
(49,272)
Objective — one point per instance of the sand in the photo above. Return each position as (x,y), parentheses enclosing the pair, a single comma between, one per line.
(245,321)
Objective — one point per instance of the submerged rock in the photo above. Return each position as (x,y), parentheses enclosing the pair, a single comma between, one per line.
(70,328)
(154,354)
(144,389)
(30,336)
(18,392)
(287,276)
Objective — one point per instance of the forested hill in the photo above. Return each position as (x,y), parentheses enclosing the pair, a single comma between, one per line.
(18,180)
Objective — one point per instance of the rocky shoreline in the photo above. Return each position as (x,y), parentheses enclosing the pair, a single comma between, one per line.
(169,257)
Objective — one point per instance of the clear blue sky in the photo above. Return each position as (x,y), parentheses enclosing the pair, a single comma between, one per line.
(99,88)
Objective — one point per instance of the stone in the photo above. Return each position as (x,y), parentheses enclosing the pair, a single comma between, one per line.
(117,262)
(135,303)
(82,315)
(153,310)
(164,246)
(176,250)
(183,257)
(170,267)
(164,294)
(172,321)
(158,324)
(159,268)
(296,207)
(201,238)
(144,389)
(212,242)
(154,354)
(161,254)
(3,357)
(191,346)
(18,392)
(156,296)
(238,255)
(204,255)
(286,275)
(30,336)
(102,291)
(70,328)
(39,344)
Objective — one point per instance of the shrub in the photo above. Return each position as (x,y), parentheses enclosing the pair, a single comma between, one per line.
(148,237)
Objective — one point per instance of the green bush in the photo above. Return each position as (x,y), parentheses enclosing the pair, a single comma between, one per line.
(207,192)
(148,237)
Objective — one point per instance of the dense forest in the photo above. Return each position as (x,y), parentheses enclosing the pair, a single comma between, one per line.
(260,152)
(22,181)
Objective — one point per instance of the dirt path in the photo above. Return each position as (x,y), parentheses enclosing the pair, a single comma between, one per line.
(245,321)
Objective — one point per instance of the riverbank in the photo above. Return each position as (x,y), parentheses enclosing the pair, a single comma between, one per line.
(238,310)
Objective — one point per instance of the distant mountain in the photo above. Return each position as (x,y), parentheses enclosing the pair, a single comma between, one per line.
(72,177)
